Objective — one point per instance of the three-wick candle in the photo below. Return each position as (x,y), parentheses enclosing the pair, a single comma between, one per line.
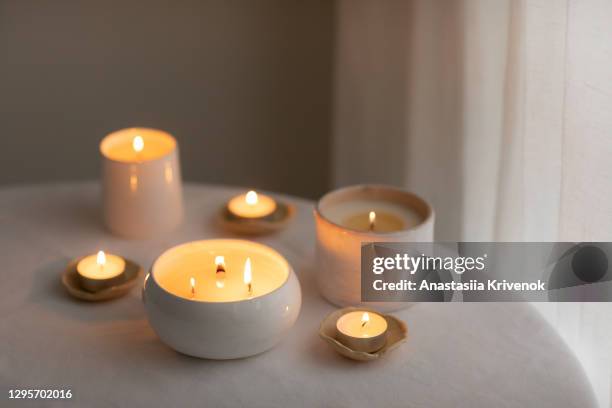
(221,298)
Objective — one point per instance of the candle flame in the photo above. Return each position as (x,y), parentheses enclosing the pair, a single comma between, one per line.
(365,319)
(251,198)
(138,144)
(192,283)
(220,260)
(101,258)
(220,273)
(372,217)
(248,277)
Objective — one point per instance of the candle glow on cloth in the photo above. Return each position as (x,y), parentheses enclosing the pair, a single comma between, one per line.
(252,205)
(101,266)
(225,270)
(362,330)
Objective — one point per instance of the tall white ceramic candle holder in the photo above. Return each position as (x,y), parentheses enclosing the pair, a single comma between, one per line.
(342,218)
(141,182)
(199,303)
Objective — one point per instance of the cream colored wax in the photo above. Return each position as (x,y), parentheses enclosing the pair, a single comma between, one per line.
(135,145)
(192,271)
(362,324)
(389,216)
(101,266)
(252,205)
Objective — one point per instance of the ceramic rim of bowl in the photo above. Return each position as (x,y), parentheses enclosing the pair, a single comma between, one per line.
(268,248)
(362,187)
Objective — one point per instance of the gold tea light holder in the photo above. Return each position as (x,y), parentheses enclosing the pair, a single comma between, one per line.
(92,290)
(396,333)
(266,222)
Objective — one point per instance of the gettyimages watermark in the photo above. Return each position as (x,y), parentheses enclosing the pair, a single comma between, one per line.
(486,272)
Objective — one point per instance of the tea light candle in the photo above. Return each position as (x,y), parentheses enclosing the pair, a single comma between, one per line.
(346,218)
(362,331)
(141,182)
(100,271)
(251,205)
(221,299)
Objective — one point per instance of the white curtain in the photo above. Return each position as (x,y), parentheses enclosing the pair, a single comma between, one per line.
(500,113)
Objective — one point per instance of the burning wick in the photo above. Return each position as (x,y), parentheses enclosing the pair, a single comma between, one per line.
(220,274)
(251,198)
(101,259)
(220,262)
(248,276)
(192,283)
(138,144)
(372,220)
(365,318)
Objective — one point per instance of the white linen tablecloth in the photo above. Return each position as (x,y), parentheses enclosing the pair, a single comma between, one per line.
(457,355)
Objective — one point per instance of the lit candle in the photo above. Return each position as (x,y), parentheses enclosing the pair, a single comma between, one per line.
(141,182)
(362,331)
(380,211)
(372,217)
(248,276)
(192,284)
(258,303)
(100,271)
(384,219)
(348,217)
(138,144)
(220,274)
(251,205)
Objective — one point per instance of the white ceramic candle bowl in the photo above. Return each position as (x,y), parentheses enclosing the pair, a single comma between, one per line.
(339,247)
(221,329)
(141,182)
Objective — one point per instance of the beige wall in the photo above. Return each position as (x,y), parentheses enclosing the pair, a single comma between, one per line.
(243,85)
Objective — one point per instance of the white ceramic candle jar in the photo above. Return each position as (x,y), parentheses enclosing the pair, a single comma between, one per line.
(141,182)
(221,299)
(346,218)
